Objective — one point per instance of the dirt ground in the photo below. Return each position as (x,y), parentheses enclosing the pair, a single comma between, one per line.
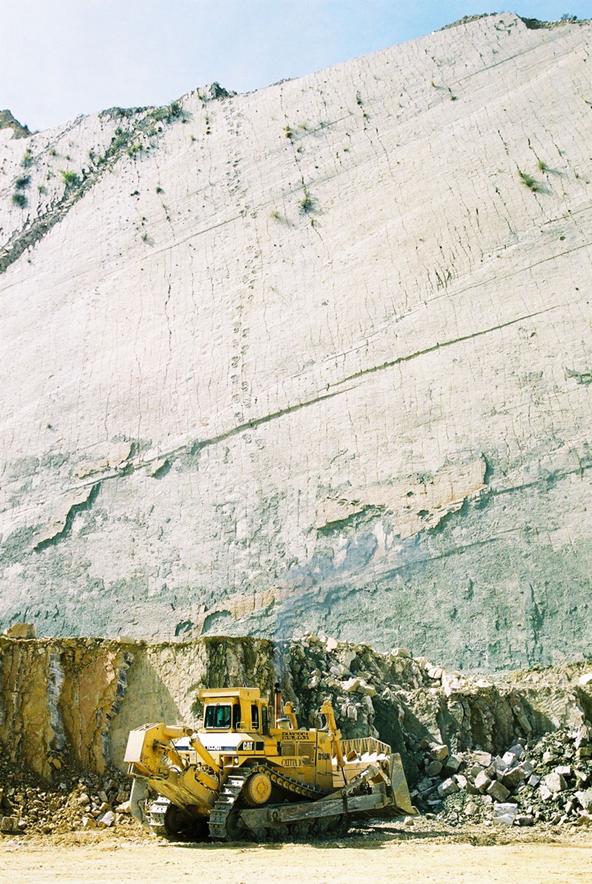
(388,853)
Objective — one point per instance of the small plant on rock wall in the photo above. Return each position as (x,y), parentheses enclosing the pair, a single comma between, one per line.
(119,140)
(19,199)
(134,149)
(23,182)
(27,159)
(307,203)
(69,177)
(168,113)
(175,110)
(275,215)
(530,182)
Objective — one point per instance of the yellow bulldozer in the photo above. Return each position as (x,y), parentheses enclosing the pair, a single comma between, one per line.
(251,773)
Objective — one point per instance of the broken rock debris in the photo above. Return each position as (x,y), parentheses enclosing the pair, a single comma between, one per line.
(538,782)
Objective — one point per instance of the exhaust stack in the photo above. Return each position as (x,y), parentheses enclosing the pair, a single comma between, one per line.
(277,703)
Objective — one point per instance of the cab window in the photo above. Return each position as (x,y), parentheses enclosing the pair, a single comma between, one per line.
(255,716)
(218,716)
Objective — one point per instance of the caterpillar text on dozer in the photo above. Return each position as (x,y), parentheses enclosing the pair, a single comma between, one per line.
(251,773)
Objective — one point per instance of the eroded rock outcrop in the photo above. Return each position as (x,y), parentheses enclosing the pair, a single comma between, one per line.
(69,704)
(312,358)
(9,121)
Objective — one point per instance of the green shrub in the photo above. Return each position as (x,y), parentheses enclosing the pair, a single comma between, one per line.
(70,178)
(134,148)
(307,203)
(530,182)
(22,182)
(27,159)
(168,113)
(119,140)
(19,199)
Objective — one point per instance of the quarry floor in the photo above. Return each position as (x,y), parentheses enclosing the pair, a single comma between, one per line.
(389,853)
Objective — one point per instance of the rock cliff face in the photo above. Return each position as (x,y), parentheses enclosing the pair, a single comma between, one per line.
(69,704)
(314,357)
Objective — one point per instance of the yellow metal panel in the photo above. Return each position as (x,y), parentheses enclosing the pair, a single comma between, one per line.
(243,693)
(135,743)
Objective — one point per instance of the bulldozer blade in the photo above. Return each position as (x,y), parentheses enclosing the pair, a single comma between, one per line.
(399,787)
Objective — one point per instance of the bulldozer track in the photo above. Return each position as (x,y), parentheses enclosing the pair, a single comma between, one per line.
(287,783)
(221,812)
(302,828)
(222,816)
(156,815)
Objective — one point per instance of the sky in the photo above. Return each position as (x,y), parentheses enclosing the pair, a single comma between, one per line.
(61,58)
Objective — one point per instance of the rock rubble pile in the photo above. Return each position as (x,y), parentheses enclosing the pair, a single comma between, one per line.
(29,806)
(549,780)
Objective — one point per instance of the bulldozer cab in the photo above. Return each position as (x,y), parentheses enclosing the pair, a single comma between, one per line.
(234,710)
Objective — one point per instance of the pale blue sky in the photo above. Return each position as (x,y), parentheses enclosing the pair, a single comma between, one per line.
(59,58)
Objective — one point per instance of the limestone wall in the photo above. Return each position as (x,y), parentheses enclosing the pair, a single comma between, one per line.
(68,704)
(315,357)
